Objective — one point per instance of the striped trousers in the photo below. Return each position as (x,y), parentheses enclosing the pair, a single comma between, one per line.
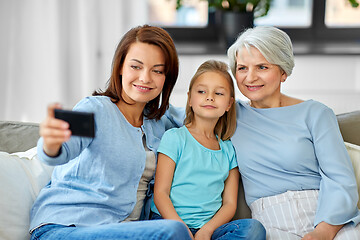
(290,215)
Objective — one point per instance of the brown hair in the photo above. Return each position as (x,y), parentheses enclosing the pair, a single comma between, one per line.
(151,35)
(226,125)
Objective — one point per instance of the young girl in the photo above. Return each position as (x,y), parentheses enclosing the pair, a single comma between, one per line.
(99,186)
(197,176)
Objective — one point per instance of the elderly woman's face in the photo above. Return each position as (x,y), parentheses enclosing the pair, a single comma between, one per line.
(258,79)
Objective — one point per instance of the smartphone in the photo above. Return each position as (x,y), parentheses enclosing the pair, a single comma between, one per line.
(81,123)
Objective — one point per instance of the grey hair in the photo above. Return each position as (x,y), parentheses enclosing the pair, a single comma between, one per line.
(274,44)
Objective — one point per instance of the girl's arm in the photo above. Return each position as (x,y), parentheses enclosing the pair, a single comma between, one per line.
(228,208)
(163,180)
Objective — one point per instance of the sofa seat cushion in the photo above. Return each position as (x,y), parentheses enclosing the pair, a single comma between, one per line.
(22,176)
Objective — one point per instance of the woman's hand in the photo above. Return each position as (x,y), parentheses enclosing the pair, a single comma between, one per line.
(314,235)
(323,231)
(54,131)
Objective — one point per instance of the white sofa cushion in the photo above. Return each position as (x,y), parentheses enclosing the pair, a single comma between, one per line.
(354,152)
(22,176)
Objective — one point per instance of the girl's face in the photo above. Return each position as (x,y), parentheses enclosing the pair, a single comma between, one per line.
(210,95)
(143,75)
(258,79)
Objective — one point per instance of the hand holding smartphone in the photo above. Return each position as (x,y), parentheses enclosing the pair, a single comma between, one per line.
(81,123)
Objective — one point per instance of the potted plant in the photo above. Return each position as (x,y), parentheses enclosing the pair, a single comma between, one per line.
(259,8)
(354,3)
(233,16)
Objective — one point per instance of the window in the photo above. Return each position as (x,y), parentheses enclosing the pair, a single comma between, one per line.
(193,13)
(309,23)
(296,12)
(340,14)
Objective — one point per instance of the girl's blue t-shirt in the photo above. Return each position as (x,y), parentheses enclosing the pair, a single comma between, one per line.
(199,176)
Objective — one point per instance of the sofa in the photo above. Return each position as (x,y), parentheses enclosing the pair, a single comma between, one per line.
(22,175)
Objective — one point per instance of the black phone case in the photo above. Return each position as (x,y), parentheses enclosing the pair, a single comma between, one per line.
(81,123)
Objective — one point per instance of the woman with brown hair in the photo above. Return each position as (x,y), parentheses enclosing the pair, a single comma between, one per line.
(99,186)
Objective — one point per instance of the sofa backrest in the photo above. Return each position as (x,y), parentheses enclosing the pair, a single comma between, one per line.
(349,124)
(18,136)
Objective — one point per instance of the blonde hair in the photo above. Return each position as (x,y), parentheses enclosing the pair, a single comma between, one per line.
(226,125)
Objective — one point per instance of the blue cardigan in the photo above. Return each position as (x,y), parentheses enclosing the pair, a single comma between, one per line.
(95,180)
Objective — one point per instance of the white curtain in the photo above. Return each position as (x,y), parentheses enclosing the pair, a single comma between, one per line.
(58,51)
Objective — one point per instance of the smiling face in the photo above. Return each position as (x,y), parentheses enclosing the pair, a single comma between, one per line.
(142,73)
(257,79)
(210,95)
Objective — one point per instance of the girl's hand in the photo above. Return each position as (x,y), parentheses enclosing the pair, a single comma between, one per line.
(203,234)
(54,131)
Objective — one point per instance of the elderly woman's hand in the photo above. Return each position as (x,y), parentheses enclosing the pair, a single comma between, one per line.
(323,231)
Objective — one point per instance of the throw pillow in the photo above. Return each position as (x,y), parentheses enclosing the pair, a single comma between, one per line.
(22,176)
(18,136)
(354,152)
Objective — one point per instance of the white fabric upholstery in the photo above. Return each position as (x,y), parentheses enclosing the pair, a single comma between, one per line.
(22,176)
